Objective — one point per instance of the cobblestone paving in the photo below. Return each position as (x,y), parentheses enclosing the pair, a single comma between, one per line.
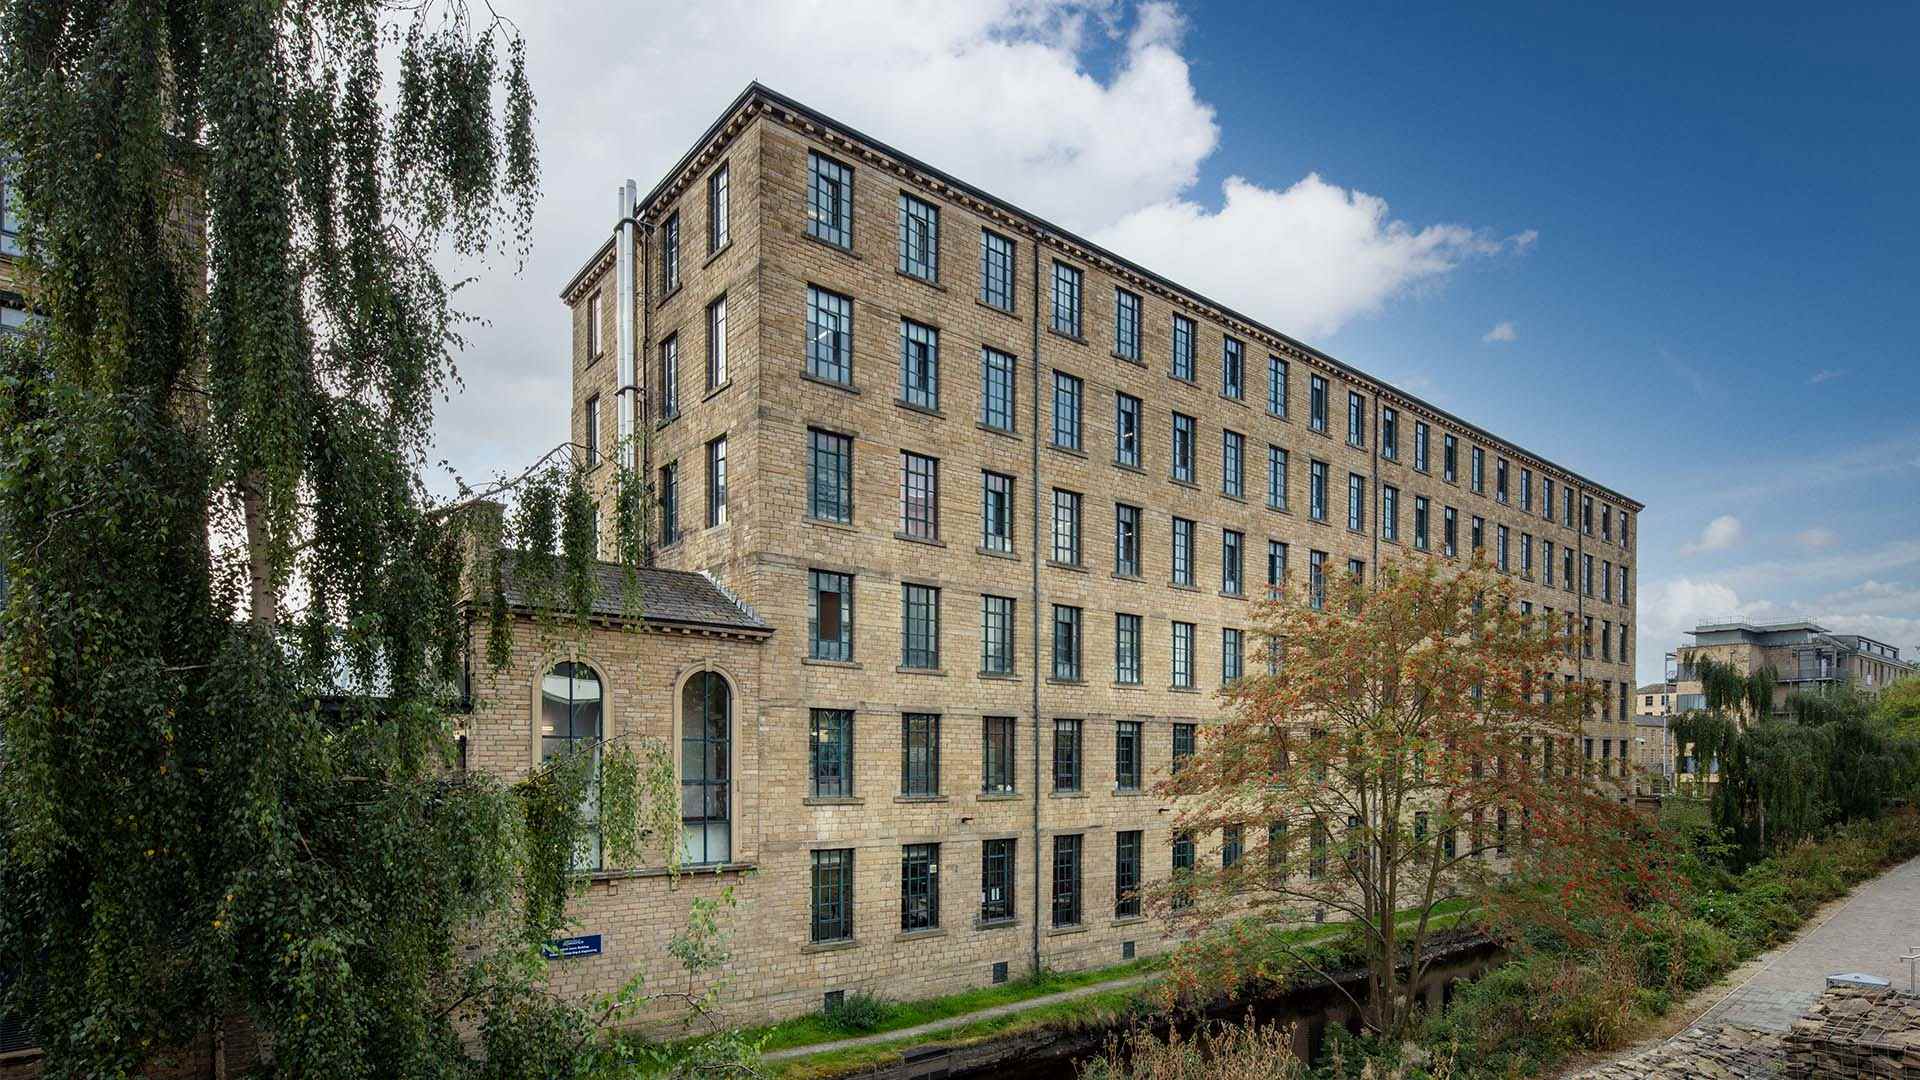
(1867,934)
(1724,1052)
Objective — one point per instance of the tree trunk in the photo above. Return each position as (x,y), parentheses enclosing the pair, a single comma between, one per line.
(263,601)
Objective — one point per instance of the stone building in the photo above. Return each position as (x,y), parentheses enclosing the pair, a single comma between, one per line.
(1804,655)
(990,508)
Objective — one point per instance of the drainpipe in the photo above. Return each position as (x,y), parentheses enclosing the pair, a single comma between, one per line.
(628,386)
(1033,604)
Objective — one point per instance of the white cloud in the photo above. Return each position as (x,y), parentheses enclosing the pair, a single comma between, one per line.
(1501,332)
(1816,537)
(1083,111)
(1308,259)
(1720,534)
(1823,375)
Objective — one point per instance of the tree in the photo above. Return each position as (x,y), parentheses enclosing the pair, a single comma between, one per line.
(211,472)
(1411,739)
(1898,707)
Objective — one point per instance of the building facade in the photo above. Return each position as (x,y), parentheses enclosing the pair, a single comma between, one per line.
(1002,504)
(1805,656)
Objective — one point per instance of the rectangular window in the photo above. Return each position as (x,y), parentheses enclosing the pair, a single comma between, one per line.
(592,419)
(1184,736)
(1566,508)
(1066,643)
(1233,375)
(1526,490)
(832,753)
(919,887)
(719,210)
(997,755)
(670,254)
(1182,551)
(1066,300)
(670,377)
(1479,532)
(997,395)
(1390,513)
(1526,555)
(1317,490)
(1232,548)
(717,374)
(1546,562)
(1233,845)
(996,270)
(1606,523)
(996,512)
(832,895)
(1183,861)
(1356,419)
(1421,537)
(830,476)
(1421,439)
(596,345)
(1126,430)
(1276,567)
(1317,403)
(1066,411)
(717,481)
(1479,476)
(920,627)
(1316,579)
(919,496)
(1126,649)
(1233,452)
(669,503)
(1586,575)
(830,615)
(1606,580)
(1183,437)
(1450,531)
(1232,657)
(1066,527)
(1356,502)
(919,365)
(1183,338)
(996,881)
(1277,386)
(1066,880)
(1127,847)
(1277,851)
(1606,639)
(1623,586)
(1276,477)
(1500,548)
(1450,459)
(1546,499)
(1586,514)
(1183,655)
(1317,850)
(1066,755)
(996,635)
(919,753)
(1126,540)
(1357,570)
(1127,769)
(1126,324)
(1390,434)
(829,336)
(919,238)
(830,201)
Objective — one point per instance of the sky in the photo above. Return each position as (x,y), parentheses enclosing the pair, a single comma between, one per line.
(1675,253)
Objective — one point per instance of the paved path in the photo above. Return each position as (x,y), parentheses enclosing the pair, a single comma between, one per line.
(954,1021)
(1866,933)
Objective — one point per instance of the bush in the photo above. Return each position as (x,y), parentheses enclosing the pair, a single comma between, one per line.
(858,1013)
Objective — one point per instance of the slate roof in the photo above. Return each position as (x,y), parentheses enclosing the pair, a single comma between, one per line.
(666,596)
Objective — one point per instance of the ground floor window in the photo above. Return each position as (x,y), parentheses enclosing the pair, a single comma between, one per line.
(1066,880)
(996,881)
(920,887)
(832,901)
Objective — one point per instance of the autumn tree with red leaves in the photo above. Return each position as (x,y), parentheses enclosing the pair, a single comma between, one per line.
(1414,738)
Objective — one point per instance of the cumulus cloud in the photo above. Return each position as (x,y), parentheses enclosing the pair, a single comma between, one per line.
(1816,537)
(1308,258)
(1720,534)
(1825,374)
(1501,332)
(1083,111)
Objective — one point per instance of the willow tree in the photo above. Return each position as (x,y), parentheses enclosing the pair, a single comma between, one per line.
(1412,740)
(233,638)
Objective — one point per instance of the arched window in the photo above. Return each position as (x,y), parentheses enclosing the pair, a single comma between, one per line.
(570,720)
(706,769)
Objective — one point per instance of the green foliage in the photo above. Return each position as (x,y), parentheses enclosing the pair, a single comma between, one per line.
(857,1014)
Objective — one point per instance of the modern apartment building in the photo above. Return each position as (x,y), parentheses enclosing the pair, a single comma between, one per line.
(992,508)
(1804,655)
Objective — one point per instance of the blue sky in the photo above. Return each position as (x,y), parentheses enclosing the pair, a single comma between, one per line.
(1696,231)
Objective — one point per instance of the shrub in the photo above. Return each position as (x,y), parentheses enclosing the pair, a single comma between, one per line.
(859,1012)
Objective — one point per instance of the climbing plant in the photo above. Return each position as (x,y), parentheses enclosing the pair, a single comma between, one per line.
(236,628)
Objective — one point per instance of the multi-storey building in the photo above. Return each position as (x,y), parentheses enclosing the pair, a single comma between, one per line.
(995,507)
(1803,655)
(1656,699)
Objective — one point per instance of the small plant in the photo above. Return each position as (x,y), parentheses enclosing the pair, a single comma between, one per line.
(858,1012)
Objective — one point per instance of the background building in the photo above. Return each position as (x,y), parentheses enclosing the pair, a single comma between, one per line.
(998,505)
(1805,656)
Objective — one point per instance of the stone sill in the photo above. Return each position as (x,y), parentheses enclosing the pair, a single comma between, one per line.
(830,946)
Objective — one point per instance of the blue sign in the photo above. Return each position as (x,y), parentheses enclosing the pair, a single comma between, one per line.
(569,947)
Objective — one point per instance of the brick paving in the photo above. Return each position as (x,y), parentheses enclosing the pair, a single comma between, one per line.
(1866,934)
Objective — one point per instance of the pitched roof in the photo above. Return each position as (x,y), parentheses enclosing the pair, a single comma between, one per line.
(666,596)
